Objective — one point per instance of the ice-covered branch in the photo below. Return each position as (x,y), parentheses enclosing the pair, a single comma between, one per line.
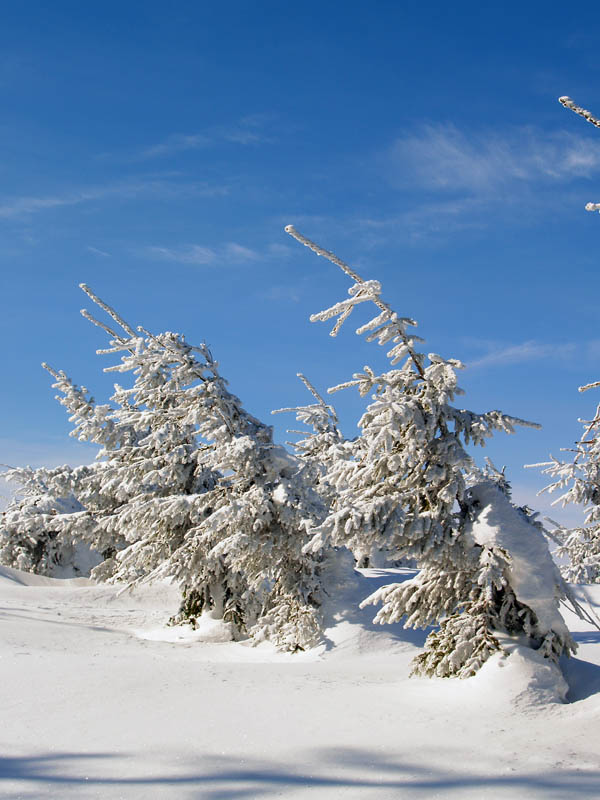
(110,311)
(86,315)
(390,326)
(583,112)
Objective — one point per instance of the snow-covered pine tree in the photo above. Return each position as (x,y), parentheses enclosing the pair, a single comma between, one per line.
(36,528)
(580,477)
(409,488)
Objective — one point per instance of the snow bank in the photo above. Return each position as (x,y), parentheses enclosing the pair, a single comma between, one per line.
(93,711)
(9,575)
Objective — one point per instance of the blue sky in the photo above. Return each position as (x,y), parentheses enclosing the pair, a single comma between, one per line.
(156,151)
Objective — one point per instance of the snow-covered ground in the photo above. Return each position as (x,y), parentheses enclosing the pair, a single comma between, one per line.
(98,698)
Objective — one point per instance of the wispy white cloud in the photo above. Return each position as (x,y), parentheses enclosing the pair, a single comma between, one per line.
(31,204)
(227,253)
(175,144)
(444,158)
(200,255)
(519,353)
(282,293)
(238,252)
(423,220)
(97,252)
(248,131)
(279,251)
(502,354)
(467,178)
(189,254)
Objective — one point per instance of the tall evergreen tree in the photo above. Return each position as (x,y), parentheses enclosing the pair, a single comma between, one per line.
(411,487)
(192,487)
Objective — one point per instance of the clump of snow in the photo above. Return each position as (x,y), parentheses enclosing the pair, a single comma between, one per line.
(208,628)
(523,679)
(534,576)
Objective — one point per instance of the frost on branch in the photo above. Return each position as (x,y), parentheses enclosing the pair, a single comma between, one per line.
(587,115)
(409,488)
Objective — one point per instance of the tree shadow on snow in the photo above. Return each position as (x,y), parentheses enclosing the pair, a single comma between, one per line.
(343,605)
(327,771)
(25,614)
(587,637)
(582,676)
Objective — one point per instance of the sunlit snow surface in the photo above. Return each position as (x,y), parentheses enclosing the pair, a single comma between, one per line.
(100,699)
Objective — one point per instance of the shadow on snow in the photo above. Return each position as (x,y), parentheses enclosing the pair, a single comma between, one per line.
(334,769)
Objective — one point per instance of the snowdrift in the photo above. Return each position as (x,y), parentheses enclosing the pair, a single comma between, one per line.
(96,703)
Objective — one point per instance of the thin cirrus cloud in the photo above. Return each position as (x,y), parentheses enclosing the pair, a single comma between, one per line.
(247,132)
(526,352)
(444,158)
(97,252)
(199,255)
(175,144)
(228,253)
(31,204)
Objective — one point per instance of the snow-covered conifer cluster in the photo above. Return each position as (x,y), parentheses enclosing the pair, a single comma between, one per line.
(190,487)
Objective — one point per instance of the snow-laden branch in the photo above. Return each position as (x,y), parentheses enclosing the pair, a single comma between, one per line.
(589,117)
(110,311)
(583,112)
(390,326)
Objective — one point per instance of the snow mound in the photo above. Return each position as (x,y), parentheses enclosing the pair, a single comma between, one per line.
(10,575)
(534,576)
(208,629)
(524,679)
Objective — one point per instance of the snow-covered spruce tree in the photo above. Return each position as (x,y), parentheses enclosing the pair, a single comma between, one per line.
(412,488)
(36,531)
(199,492)
(581,478)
